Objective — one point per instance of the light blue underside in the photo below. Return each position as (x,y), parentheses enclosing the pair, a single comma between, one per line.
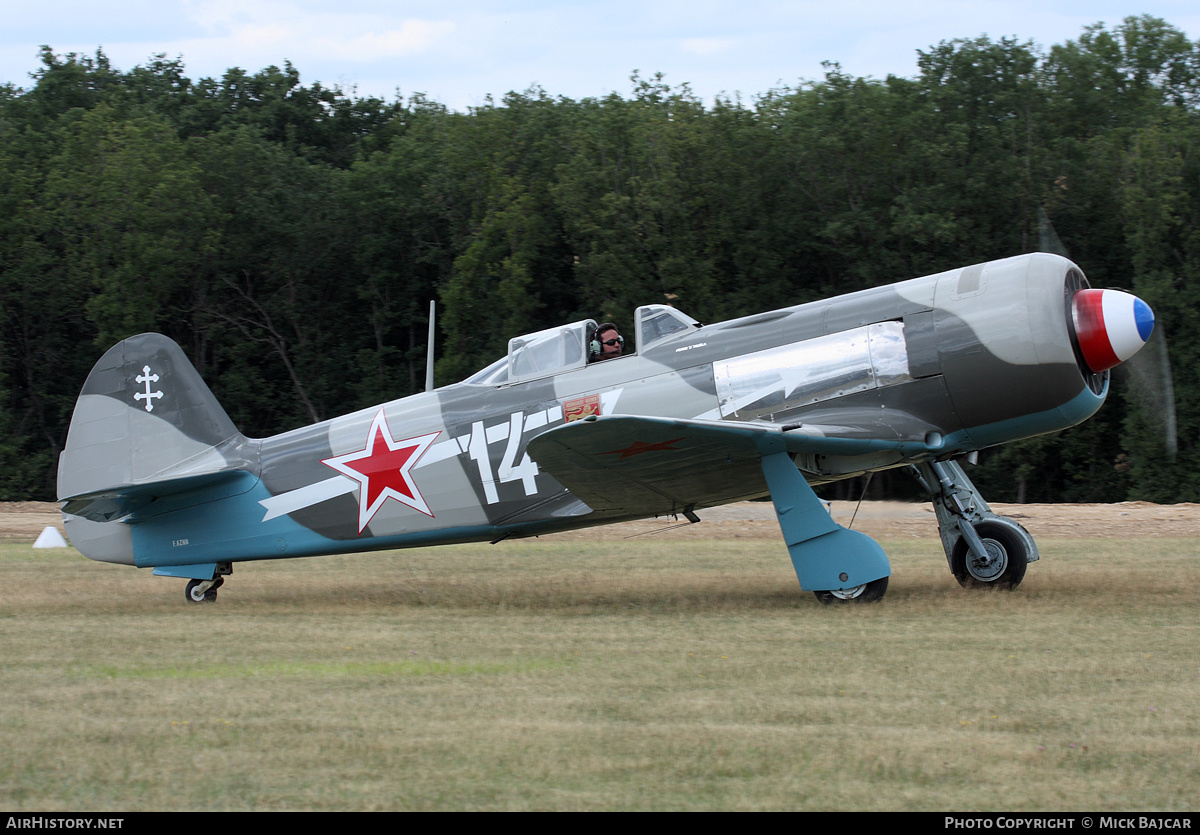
(190,540)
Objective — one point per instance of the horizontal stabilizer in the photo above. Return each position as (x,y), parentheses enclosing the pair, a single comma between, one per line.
(121,501)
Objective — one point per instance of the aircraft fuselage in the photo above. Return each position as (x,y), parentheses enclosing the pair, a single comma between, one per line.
(923,370)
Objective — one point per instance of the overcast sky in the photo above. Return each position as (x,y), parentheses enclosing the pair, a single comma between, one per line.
(459,51)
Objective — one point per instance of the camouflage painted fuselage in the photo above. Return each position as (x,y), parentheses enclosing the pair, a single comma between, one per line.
(155,474)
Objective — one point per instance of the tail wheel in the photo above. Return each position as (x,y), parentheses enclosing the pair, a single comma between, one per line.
(199,591)
(866,593)
(1002,566)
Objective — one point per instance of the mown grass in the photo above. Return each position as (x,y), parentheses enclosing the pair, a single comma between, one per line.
(648,674)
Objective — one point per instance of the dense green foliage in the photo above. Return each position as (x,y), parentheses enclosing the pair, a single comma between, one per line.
(290,237)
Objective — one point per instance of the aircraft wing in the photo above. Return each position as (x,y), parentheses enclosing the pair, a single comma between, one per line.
(660,465)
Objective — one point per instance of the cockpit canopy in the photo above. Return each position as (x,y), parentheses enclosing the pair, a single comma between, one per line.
(550,351)
(564,348)
(656,322)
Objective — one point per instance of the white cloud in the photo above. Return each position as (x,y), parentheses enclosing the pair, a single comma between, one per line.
(707,46)
(262,36)
(224,15)
(411,38)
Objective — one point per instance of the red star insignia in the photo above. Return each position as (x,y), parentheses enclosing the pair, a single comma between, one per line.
(638,447)
(383,470)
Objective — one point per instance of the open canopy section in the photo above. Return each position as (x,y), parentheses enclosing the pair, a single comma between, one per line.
(657,322)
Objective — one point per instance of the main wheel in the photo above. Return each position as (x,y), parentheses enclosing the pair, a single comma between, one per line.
(866,593)
(1002,566)
(194,595)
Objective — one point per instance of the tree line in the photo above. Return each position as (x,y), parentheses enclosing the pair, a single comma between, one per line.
(290,236)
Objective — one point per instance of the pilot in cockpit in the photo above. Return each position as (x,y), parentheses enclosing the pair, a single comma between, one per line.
(606,343)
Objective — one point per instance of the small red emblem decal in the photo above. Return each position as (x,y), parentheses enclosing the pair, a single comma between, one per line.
(581,407)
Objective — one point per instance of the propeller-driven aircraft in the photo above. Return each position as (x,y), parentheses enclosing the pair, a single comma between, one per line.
(923,374)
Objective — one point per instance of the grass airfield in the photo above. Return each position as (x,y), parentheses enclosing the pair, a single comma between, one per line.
(650,673)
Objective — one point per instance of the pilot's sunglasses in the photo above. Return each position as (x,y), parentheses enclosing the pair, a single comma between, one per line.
(611,342)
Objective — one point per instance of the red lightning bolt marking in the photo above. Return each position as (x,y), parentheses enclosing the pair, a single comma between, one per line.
(383,470)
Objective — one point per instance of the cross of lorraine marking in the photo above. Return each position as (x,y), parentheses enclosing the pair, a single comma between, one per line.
(147,378)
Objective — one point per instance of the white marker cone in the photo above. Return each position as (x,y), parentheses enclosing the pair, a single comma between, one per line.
(50,538)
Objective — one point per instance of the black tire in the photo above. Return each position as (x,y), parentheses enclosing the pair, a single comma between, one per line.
(208,597)
(1006,563)
(870,592)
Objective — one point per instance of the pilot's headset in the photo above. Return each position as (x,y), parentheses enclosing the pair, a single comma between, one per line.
(594,345)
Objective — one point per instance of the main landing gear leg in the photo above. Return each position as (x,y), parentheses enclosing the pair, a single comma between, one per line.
(836,564)
(984,550)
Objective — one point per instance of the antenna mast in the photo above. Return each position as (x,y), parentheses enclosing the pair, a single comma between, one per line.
(429,348)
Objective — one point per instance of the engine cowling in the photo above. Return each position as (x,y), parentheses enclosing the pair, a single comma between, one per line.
(1025,345)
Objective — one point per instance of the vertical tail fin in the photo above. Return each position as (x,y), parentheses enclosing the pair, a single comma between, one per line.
(145,426)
